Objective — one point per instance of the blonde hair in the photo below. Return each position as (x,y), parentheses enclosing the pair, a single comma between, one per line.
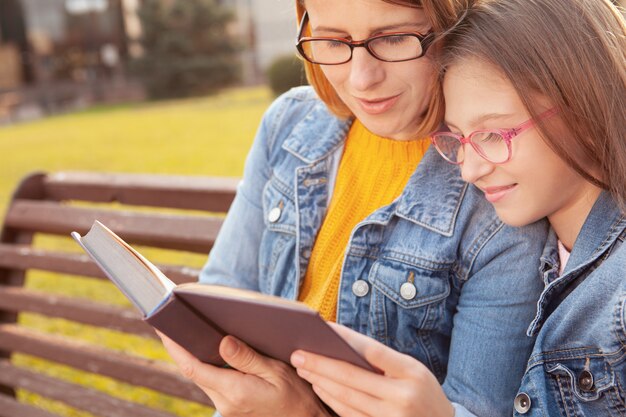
(442,14)
(573,52)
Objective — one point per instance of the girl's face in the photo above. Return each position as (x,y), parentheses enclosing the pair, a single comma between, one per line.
(535,183)
(389,98)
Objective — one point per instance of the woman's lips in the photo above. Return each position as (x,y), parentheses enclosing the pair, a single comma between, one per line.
(494,194)
(377,106)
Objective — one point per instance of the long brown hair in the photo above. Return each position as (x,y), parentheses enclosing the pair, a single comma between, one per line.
(572,52)
(442,14)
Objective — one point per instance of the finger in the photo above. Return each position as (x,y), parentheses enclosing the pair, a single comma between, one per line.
(176,351)
(245,359)
(334,402)
(357,340)
(208,377)
(391,362)
(315,368)
(223,386)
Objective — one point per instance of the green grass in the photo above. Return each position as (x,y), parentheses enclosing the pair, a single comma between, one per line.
(204,136)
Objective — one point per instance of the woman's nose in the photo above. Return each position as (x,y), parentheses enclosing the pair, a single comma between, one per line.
(474,166)
(365,71)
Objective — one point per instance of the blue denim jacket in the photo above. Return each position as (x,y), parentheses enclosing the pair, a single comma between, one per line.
(476,289)
(578,364)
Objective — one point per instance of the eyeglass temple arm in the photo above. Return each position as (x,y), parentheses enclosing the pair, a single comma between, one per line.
(303,22)
(529,123)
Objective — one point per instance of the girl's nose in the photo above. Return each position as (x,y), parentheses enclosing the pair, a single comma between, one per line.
(474,166)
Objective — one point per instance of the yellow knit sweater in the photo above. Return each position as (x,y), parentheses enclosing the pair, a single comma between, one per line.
(372,173)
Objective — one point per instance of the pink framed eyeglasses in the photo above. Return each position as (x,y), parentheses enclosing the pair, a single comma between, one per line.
(494,145)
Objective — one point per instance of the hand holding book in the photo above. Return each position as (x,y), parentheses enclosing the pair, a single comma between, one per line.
(252,382)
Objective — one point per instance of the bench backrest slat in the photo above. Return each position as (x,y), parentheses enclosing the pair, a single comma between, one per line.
(80,355)
(10,407)
(76,396)
(22,257)
(192,193)
(18,299)
(195,234)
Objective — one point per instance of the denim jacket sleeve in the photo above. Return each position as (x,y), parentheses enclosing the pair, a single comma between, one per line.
(234,258)
(490,348)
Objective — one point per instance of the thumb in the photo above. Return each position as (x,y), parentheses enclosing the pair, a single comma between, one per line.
(243,358)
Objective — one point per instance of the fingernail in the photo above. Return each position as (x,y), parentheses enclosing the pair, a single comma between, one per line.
(230,347)
(297,360)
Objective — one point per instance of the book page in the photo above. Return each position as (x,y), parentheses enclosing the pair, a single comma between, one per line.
(140,281)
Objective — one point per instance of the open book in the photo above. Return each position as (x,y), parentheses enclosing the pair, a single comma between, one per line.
(197,316)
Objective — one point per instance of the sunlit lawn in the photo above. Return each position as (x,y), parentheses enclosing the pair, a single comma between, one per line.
(205,136)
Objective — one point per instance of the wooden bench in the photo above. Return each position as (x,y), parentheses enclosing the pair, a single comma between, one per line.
(56,204)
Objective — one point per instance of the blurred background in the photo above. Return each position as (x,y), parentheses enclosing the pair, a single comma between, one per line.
(163,86)
(60,55)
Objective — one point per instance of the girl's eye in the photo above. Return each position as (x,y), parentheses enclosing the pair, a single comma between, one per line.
(492,137)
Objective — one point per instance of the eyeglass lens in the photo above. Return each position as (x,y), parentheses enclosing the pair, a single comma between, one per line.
(386,48)
(490,145)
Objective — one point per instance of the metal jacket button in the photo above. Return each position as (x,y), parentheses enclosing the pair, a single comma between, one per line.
(585,381)
(522,403)
(408,291)
(274,214)
(360,288)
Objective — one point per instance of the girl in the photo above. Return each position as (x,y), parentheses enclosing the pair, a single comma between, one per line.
(535,95)
(343,207)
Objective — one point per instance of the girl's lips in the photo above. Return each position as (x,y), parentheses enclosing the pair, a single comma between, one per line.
(494,194)
(377,106)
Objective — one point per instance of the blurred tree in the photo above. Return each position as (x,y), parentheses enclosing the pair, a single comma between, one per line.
(187,48)
(285,72)
(13,30)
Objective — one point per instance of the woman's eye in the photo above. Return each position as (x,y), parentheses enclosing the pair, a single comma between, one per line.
(395,40)
(334,44)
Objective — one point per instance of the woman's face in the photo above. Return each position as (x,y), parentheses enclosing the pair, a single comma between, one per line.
(535,183)
(389,98)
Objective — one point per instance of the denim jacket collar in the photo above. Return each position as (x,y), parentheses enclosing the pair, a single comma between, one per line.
(603,226)
(422,201)
(317,136)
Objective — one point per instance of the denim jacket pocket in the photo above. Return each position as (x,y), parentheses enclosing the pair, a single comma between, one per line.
(587,385)
(277,244)
(407,304)
(388,277)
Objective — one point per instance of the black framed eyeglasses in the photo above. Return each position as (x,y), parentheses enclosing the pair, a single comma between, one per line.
(387,47)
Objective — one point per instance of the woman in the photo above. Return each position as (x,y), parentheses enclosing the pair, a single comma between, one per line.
(343,207)
(535,97)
